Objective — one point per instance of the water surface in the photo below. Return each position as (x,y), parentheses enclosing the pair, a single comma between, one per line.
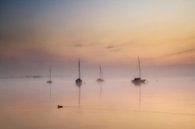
(162,103)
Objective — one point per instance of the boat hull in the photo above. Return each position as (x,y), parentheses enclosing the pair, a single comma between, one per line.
(78,82)
(49,82)
(100,80)
(138,81)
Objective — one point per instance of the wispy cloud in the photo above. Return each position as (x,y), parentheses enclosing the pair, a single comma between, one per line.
(110,47)
(78,45)
(83,43)
(182,52)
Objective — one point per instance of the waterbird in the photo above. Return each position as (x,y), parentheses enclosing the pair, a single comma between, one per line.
(59,106)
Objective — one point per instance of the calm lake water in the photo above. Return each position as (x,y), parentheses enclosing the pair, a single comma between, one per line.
(162,103)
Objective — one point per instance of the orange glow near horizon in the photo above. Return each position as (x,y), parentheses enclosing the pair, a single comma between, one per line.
(161,32)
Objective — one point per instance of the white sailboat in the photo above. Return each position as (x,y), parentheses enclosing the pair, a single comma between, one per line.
(138,80)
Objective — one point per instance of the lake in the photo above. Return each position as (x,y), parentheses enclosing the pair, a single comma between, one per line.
(161,103)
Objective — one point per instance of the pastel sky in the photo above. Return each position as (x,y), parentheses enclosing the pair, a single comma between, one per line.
(161,32)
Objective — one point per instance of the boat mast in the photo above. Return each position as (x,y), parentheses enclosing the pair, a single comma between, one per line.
(50,73)
(139,65)
(79,68)
(100,74)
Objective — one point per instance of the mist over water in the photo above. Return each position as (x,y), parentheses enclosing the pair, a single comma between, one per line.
(151,42)
(32,103)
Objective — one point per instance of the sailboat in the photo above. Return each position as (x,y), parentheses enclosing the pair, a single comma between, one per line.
(78,82)
(49,81)
(100,79)
(138,80)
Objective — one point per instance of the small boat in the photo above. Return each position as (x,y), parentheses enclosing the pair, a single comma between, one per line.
(100,79)
(49,81)
(78,81)
(138,80)
(59,106)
